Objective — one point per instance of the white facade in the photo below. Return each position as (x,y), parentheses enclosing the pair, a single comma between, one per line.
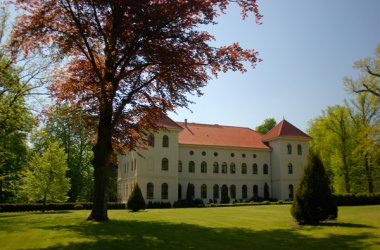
(167,170)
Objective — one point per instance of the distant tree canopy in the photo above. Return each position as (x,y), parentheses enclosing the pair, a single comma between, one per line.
(46,180)
(369,80)
(346,139)
(267,125)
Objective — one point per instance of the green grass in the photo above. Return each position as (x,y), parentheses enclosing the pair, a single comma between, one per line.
(254,227)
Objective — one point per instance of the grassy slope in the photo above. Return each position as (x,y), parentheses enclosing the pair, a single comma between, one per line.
(258,227)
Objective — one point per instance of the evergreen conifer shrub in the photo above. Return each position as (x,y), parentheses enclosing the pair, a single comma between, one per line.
(313,201)
(136,201)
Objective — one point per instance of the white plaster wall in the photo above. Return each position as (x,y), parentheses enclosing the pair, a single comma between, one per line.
(148,168)
(280,160)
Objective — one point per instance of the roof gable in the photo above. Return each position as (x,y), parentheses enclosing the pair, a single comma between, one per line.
(284,129)
(165,122)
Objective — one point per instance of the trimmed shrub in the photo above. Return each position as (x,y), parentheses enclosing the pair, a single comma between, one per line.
(357,199)
(32,207)
(313,201)
(159,204)
(136,201)
(187,203)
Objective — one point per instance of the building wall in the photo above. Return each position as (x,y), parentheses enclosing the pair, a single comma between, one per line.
(280,163)
(220,155)
(145,166)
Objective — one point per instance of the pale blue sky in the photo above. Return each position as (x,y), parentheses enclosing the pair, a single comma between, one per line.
(307,48)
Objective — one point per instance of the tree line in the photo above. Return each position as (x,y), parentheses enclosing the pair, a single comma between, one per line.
(346,137)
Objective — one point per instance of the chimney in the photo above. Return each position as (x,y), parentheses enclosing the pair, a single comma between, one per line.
(185,123)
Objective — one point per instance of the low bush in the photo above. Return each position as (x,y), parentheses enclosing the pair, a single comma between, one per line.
(357,199)
(159,204)
(32,207)
(188,203)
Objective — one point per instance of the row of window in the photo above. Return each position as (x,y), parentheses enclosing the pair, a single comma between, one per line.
(191,152)
(165,144)
(218,192)
(215,169)
(299,149)
(191,169)
(165,141)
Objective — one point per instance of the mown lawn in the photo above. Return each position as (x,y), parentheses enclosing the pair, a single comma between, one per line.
(255,227)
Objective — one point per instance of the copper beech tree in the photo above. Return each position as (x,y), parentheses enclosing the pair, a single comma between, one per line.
(123,62)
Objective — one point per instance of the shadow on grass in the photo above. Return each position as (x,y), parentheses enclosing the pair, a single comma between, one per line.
(53,212)
(117,234)
(342,224)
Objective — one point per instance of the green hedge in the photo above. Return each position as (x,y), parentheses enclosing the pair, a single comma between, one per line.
(29,207)
(357,199)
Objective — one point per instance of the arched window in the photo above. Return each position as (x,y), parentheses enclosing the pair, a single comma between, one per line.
(224,194)
(203,167)
(180,166)
(265,169)
(289,149)
(243,168)
(191,167)
(165,141)
(266,191)
(204,191)
(299,149)
(290,168)
(254,168)
(232,168)
(233,191)
(151,140)
(190,192)
(179,192)
(291,192)
(216,191)
(165,164)
(216,167)
(224,168)
(149,190)
(244,192)
(164,191)
(255,191)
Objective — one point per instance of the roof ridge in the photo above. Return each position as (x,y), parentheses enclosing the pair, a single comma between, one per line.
(214,125)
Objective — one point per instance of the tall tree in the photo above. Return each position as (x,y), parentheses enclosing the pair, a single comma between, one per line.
(369,80)
(19,80)
(365,113)
(333,138)
(126,62)
(46,180)
(69,130)
(267,125)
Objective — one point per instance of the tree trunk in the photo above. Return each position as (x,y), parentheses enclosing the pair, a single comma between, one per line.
(1,191)
(44,203)
(346,174)
(368,174)
(103,163)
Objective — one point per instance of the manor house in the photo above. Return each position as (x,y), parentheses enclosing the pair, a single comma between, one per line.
(215,162)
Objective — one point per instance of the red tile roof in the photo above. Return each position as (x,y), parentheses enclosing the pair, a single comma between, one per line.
(166,122)
(218,135)
(284,129)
